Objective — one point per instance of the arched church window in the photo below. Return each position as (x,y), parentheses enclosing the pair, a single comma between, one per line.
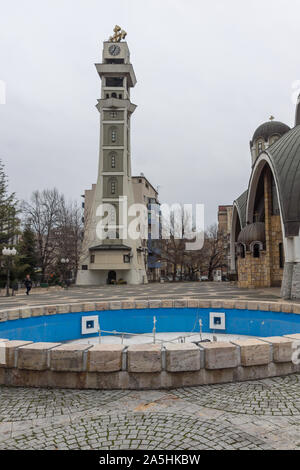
(256,250)
(114,95)
(243,253)
(260,147)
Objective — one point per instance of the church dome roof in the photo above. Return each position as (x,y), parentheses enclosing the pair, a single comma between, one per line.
(285,160)
(269,128)
(252,233)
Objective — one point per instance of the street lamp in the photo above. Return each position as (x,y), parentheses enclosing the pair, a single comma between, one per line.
(9,252)
(64,262)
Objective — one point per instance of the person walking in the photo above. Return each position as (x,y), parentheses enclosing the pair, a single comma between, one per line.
(28,284)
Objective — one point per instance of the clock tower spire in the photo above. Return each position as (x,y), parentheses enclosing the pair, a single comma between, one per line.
(117,256)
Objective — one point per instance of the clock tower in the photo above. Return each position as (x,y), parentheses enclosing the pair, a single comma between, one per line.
(112,255)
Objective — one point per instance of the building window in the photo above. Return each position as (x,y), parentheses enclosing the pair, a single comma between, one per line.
(113,135)
(256,251)
(126,258)
(92,259)
(113,161)
(113,187)
(120,96)
(113,114)
(242,251)
(84,267)
(114,95)
(281,255)
(114,81)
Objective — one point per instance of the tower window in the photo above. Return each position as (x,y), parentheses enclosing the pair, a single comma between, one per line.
(113,135)
(113,161)
(113,114)
(114,95)
(114,81)
(120,96)
(113,187)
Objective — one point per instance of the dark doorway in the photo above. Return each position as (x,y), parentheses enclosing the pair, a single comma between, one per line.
(111,277)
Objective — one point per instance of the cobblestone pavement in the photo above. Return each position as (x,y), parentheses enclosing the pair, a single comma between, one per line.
(261,414)
(171,290)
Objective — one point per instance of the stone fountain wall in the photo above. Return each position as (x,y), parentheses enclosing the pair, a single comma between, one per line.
(145,366)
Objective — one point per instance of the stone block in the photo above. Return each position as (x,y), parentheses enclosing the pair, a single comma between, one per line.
(13,314)
(3,316)
(216,304)
(34,356)
(10,350)
(115,305)
(228,304)
(167,303)
(204,303)
(295,336)
(89,307)
(282,348)
(254,352)
(180,303)
(25,312)
(154,303)
(101,306)
(241,304)
(252,305)
(220,355)
(74,308)
(128,305)
(286,307)
(275,307)
(68,357)
(182,357)
(141,304)
(50,309)
(264,306)
(105,358)
(37,311)
(296,308)
(63,308)
(144,358)
(192,303)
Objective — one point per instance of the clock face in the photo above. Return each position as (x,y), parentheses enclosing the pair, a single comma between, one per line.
(114,49)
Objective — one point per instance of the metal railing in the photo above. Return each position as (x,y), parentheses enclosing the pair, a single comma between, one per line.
(153,336)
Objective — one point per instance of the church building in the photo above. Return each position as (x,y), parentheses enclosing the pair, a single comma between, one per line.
(265,241)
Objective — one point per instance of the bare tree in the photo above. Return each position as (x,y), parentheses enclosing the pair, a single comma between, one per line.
(213,251)
(42,214)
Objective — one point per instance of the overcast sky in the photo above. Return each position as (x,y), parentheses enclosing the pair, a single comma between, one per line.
(208,73)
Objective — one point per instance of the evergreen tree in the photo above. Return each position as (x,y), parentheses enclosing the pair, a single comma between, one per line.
(28,257)
(9,222)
